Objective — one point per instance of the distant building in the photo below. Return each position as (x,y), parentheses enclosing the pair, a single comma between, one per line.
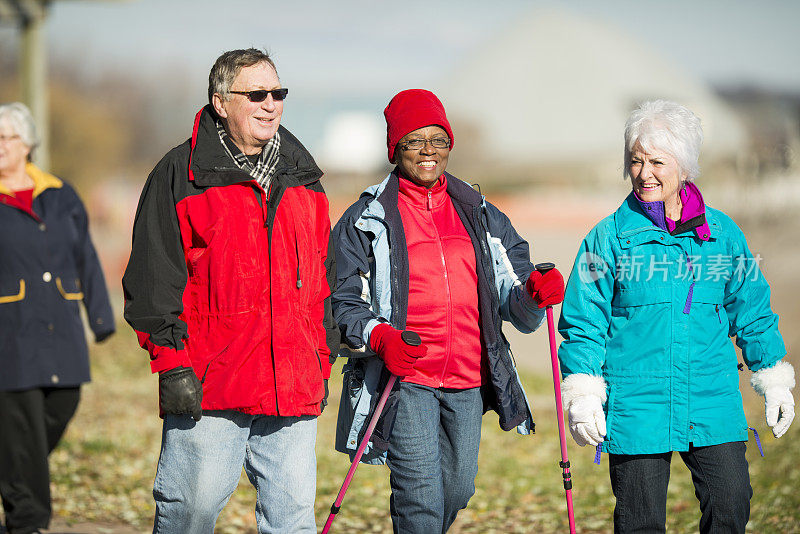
(547,100)
(353,142)
(772,120)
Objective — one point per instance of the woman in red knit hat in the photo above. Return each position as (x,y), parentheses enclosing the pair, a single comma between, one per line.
(423,251)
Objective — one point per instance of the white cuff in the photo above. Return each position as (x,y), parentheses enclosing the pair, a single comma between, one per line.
(580,384)
(780,375)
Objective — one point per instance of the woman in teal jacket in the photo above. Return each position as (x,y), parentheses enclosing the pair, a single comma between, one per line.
(657,290)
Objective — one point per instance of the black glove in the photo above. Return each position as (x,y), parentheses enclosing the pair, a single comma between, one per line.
(325,398)
(180,392)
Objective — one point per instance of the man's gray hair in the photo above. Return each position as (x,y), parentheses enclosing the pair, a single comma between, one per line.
(18,116)
(661,125)
(227,67)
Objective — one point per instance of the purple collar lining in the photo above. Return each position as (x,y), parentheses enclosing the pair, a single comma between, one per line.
(693,206)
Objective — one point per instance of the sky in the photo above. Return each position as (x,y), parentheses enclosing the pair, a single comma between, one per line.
(355,54)
(377,44)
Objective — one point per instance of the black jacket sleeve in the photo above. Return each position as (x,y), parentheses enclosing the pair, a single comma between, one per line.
(156,275)
(351,300)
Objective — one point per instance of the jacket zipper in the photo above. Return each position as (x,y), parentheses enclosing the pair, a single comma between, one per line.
(394,280)
(271,293)
(447,290)
(299,282)
(265,198)
(487,271)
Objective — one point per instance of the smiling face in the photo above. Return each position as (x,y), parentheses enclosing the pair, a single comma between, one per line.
(13,151)
(251,124)
(425,165)
(657,177)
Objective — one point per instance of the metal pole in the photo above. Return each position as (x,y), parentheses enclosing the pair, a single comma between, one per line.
(33,67)
(562,434)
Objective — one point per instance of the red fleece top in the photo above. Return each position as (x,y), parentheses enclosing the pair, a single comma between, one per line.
(22,199)
(443,288)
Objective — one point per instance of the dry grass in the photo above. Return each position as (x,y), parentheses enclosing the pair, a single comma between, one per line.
(104,468)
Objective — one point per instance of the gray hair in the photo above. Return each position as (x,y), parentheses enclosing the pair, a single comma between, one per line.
(227,67)
(661,125)
(18,116)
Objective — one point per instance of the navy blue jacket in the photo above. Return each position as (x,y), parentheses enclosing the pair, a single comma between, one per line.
(47,266)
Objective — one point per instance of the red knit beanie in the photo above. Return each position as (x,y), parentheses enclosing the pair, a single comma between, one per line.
(412,109)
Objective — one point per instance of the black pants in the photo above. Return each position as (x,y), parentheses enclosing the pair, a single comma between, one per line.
(721,484)
(31,424)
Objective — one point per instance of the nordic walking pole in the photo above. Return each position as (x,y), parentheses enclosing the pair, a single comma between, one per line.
(411,338)
(564,463)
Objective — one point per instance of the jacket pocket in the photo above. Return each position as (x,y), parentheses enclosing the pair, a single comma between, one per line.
(708,294)
(12,297)
(709,302)
(353,374)
(72,291)
(641,295)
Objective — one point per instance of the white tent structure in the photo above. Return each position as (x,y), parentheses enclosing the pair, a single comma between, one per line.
(557,88)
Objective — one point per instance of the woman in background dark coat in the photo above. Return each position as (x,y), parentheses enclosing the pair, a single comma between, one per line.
(47,266)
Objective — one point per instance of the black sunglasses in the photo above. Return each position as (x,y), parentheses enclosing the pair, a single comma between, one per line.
(261,94)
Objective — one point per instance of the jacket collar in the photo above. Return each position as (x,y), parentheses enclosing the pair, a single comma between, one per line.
(41,181)
(421,196)
(384,196)
(693,214)
(633,217)
(460,191)
(210,165)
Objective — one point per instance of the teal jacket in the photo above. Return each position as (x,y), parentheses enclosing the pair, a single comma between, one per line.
(652,313)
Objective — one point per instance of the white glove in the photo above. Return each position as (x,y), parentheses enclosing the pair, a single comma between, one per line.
(779,407)
(583,396)
(775,384)
(587,421)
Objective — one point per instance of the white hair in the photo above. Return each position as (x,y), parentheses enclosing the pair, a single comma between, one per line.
(661,125)
(18,116)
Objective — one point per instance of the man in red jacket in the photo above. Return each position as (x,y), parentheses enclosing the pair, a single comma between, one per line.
(228,287)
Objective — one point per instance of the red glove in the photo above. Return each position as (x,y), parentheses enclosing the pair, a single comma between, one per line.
(398,355)
(546,289)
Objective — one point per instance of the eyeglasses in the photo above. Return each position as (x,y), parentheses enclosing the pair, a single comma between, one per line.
(417,144)
(260,95)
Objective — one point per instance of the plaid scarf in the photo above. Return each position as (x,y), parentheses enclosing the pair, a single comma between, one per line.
(264,168)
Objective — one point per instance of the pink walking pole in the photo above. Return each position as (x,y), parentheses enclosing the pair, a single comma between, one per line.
(411,338)
(564,463)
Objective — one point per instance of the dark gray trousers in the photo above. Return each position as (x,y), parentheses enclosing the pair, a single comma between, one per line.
(721,484)
(31,424)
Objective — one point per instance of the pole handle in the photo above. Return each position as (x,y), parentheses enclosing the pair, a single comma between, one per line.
(544,267)
(411,338)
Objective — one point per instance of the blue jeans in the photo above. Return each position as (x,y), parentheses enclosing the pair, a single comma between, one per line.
(721,484)
(433,456)
(201,463)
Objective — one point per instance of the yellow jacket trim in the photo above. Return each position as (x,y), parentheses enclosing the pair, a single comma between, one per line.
(68,296)
(41,181)
(14,298)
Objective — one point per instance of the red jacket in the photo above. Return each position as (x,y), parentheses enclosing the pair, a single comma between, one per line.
(233,281)
(443,288)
